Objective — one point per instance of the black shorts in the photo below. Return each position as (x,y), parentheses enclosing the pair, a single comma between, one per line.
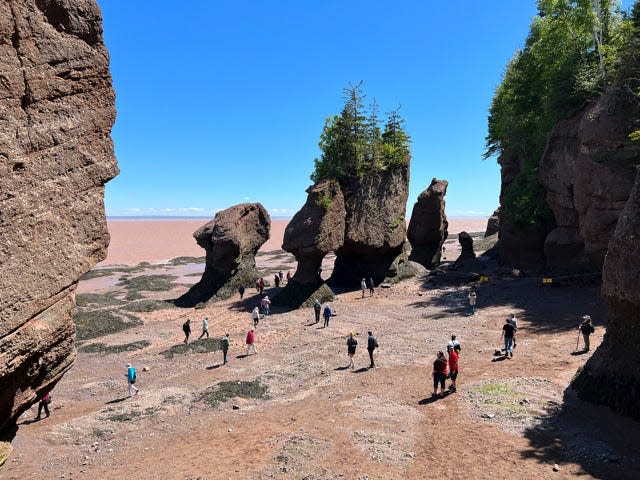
(439,378)
(453,376)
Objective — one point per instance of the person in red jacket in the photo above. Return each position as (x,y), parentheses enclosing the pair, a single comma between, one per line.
(45,400)
(439,373)
(251,338)
(453,367)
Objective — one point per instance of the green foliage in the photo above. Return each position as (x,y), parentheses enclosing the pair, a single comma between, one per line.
(353,144)
(224,391)
(525,201)
(324,201)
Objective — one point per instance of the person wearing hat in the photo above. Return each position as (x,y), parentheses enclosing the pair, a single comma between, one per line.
(351,347)
(131,379)
(586,328)
(317,306)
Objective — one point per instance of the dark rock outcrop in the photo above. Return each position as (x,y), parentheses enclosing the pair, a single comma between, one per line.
(493,224)
(587,170)
(375,228)
(466,246)
(231,241)
(612,375)
(428,225)
(56,154)
(316,230)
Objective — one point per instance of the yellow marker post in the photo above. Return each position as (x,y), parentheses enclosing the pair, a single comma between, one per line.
(547,280)
(484,278)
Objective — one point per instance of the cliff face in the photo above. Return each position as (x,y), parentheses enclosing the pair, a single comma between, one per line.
(56,154)
(612,375)
(428,225)
(375,229)
(587,170)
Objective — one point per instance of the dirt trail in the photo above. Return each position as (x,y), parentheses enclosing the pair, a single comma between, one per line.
(509,418)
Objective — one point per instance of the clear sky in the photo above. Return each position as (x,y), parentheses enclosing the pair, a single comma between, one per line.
(222,102)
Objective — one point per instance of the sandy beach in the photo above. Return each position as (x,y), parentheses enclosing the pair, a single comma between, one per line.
(150,240)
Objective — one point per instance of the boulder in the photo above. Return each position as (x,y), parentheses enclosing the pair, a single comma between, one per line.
(466,246)
(375,229)
(493,224)
(428,225)
(231,241)
(56,154)
(602,380)
(587,170)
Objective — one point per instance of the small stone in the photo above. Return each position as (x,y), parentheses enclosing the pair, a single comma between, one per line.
(556,468)
(229,430)
(146,369)
(236,407)
(488,415)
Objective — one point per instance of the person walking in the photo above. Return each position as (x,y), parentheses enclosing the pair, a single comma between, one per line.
(186,328)
(205,328)
(472,301)
(363,286)
(266,305)
(251,342)
(371,286)
(439,374)
(586,328)
(508,331)
(261,286)
(44,402)
(372,344)
(280,275)
(453,367)
(241,291)
(514,322)
(132,377)
(288,276)
(224,346)
(455,344)
(276,280)
(317,306)
(327,314)
(352,343)
(255,315)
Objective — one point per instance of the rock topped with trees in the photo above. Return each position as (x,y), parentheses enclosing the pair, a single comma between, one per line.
(428,225)
(574,51)
(370,162)
(231,241)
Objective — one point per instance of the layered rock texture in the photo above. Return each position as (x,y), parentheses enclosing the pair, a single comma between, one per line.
(375,228)
(587,170)
(427,230)
(56,154)
(231,241)
(316,230)
(493,224)
(612,375)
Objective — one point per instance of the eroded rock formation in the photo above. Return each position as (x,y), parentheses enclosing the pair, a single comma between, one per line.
(587,170)
(56,154)
(231,241)
(466,246)
(375,229)
(428,225)
(612,375)
(316,230)
(493,224)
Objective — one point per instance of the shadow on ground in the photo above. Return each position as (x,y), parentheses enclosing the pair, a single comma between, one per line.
(604,444)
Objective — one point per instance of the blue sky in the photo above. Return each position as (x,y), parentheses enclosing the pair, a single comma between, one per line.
(223,102)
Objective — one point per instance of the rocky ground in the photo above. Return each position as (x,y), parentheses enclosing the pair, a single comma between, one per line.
(293,411)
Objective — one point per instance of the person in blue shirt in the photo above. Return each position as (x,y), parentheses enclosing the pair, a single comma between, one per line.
(131,379)
(326,314)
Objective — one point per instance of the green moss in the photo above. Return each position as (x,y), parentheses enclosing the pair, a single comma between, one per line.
(98,323)
(148,305)
(148,283)
(204,345)
(186,260)
(97,300)
(103,349)
(223,391)
(324,201)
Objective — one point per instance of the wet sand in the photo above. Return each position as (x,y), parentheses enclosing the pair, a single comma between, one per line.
(149,240)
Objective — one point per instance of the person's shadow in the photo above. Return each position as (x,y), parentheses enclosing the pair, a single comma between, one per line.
(213,367)
(361,370)
(117,400)
(338,369)
(580,352)
(434,398)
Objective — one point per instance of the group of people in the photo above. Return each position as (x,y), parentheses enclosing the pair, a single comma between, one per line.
(446,368)
(352,343)
(367,285)
(327,313)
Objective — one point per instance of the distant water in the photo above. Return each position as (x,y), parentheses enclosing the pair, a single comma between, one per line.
(172,217)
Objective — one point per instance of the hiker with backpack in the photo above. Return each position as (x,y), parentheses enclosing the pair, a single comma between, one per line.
(372,344)
(132,377)
(186,328)
(508,332)
(454,344)
(266,305)
(327,314)
(44,402)
(586,328)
